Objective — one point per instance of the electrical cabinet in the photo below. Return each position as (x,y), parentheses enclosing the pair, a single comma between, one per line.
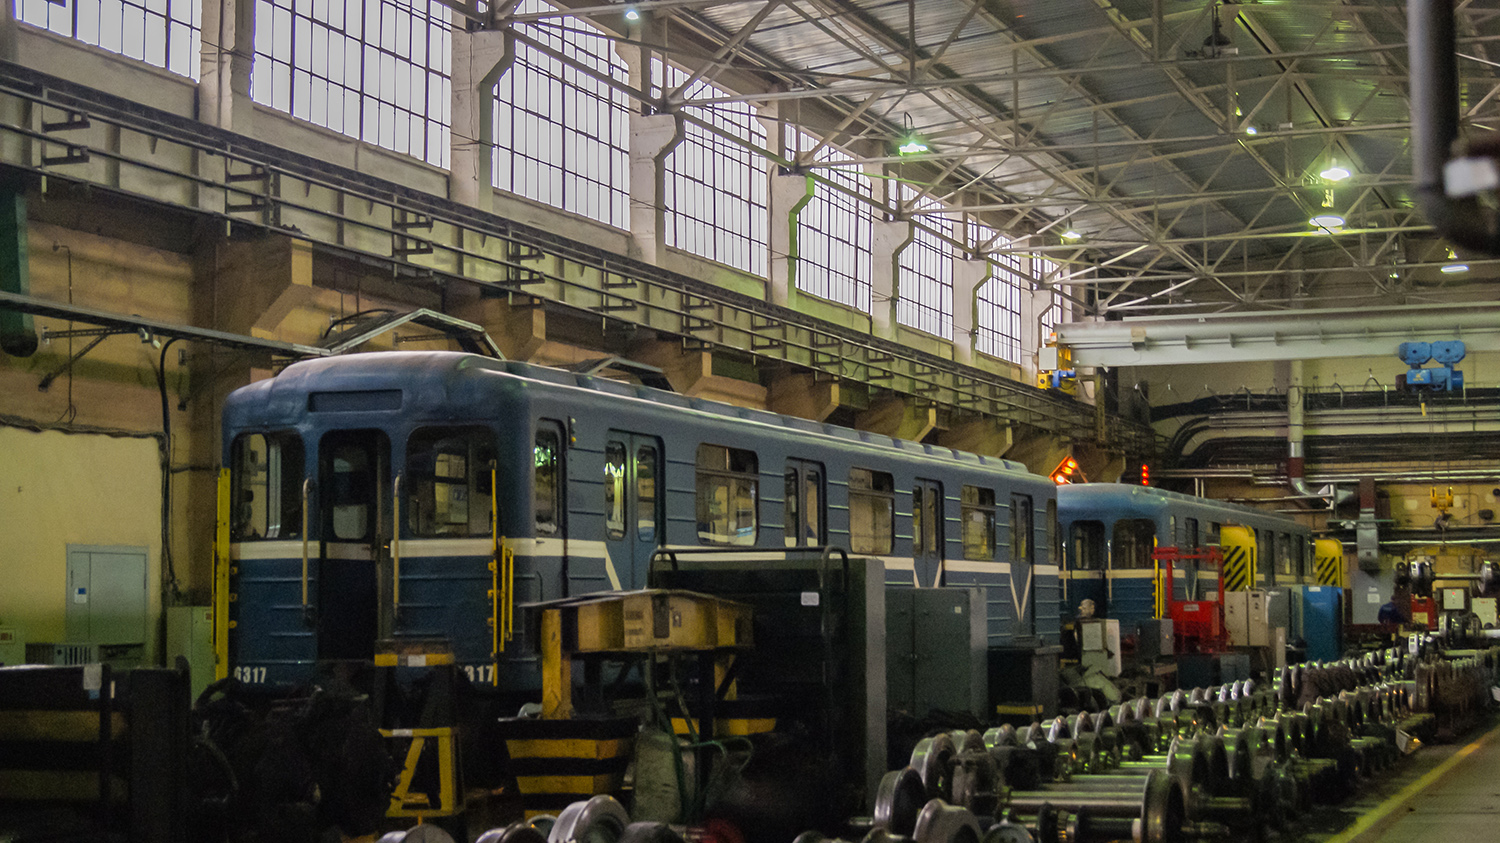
(1322,616)
(1247,619)
(1099,643)
(1484,608)
(1154,640)
(106,594)
(935,650)
(190,634)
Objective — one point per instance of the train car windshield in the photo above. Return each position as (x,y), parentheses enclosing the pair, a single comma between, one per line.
(448,482)
(267,471)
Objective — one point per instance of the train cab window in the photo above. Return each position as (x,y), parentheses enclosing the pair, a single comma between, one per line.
(805,523)
(1299,557)
(448,482)
(978,513)
(1190,537)
(354,493)
(1133,541)
(1087,540)
(1283,554)
(645,493)
(1021,523)
(266,495)
(1265,554)
(872,511)
(546,476)
(728,489)
(614,490)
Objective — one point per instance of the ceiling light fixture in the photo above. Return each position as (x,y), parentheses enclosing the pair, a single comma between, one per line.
(1072,234)
(632,14)
(1455,267)
(1251,130)
(1334,173)
(912,146)
(1327,222)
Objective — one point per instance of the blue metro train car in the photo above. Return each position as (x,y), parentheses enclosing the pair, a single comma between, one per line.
(424,495)
(1111,529)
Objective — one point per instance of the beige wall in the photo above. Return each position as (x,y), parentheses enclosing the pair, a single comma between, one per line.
(58,489)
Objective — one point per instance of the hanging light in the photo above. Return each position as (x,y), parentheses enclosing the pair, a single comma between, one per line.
(1454,267)
(632,14)
(1072,234)
(1334,172)
(1327,222)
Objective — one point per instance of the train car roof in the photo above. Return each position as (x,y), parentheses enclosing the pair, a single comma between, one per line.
(1079,500)
(439,378)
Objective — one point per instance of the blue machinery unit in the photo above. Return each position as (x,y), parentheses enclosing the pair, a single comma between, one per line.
(1442,377)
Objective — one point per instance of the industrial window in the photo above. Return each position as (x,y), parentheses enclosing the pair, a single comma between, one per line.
(924,295)
(614,490)
(728,488)
(562,135)
(1134,539)
(1047,273)
(1088,548)
(998,308)
(978,514)
(448,482)
(872,511)
(1022,521)
(266,479)
(645,493)
(375,70)
(834,231)
(715,188)
(161,33)
(546,480)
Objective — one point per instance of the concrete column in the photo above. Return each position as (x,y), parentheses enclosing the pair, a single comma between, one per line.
(228,52)
(789,194)
(652,138)
(8,33)
(968,277)
(886,243)
(479,60)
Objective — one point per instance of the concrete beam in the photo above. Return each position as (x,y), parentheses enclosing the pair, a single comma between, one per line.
(479,60)
(968,277)
(1038,450)
(224,75)
(978,436)
(691,373)
(520,330)
(1277,335)
(261,283)
(804,396)
(900,418)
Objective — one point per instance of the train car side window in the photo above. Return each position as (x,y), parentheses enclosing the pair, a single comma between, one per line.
(1283,554)
(978,513)
(546,474)
(872,511)
(728,492)
(448,482)
(1087,538)
(1133,542)
(1020,527)
(645,493)
(1190,535)
(804,522)
(266,495)
(614,489)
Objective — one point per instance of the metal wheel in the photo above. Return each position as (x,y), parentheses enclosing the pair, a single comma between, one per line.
(932,759)
(599,820)
(646,832)
(899,800)
(940,822)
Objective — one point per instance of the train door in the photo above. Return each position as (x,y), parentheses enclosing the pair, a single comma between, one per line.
(805,516)
(1022,556)
(632,504)
(927,530)
(353,568)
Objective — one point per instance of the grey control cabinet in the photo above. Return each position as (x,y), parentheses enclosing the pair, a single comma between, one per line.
(935,650)
(106,599)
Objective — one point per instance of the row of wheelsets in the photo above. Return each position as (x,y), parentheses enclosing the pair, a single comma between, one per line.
(1230,762)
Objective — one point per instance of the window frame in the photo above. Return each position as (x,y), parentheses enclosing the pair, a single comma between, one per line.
(739,466)
(972,502)
(878,490)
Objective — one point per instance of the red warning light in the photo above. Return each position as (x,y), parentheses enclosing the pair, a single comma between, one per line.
(1145,475)
(1067,472)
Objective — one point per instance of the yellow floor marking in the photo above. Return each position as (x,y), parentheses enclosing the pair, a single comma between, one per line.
(1367,821)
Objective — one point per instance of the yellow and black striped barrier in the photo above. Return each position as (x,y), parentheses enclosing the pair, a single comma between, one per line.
(1238,572)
